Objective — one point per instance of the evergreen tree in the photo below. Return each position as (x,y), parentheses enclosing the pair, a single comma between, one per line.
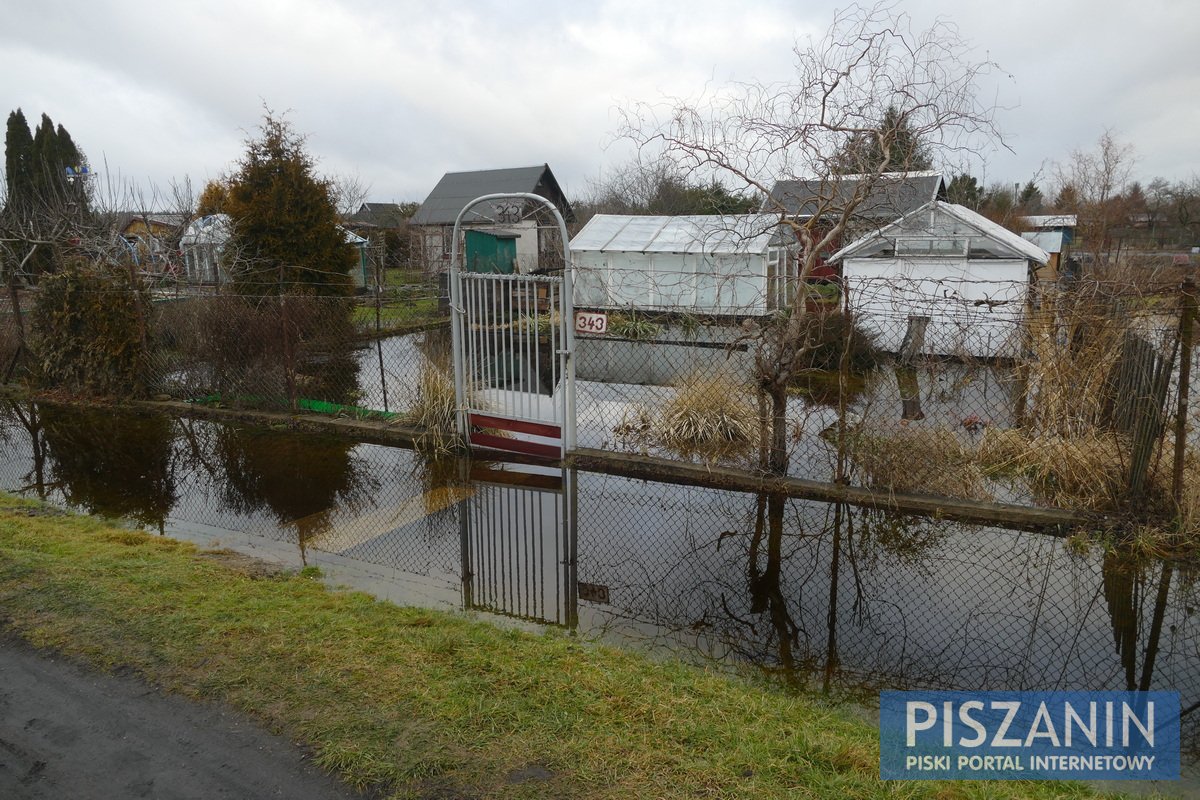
(285,232)
(892,147)
(45,206)
(49,188)
(18,162)
(45,159)
(1135,198)
(212,199)
(1030,198)
(964,190)
(68,153)
(1067,200)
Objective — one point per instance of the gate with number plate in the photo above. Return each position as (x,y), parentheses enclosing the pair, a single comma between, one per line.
(513,338)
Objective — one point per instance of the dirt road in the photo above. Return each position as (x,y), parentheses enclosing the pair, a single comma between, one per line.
(68,732)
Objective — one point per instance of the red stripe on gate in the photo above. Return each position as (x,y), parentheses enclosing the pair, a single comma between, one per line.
(517,426)
(515,478)
(515,445)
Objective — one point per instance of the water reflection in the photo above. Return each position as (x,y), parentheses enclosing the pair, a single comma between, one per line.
(815,594)
(1128,587)
(300,481)
(100,463)
(518,544)
(910,393)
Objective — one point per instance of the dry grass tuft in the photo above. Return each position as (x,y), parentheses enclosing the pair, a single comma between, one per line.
(919,459)
(1087,471)
(433,407)
(1188,538)
(1075,340)
(710,416)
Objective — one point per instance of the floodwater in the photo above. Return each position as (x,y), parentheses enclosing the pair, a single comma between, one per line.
(618,382)
(812,594)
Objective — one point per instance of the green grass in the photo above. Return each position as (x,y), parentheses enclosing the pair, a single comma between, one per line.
(414,702)
(396,278)
(397,314)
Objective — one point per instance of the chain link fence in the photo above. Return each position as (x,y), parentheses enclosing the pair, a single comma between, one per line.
(1066,395)
(813,593)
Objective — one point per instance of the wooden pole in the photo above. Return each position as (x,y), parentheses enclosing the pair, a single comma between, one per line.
(1187,316)
(378,327)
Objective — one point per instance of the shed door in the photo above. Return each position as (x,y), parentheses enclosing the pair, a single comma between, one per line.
(489,252)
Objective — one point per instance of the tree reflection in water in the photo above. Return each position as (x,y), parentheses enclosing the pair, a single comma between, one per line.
(299,480)
(1128,584)
(25,416)
(839,541)
(108,463)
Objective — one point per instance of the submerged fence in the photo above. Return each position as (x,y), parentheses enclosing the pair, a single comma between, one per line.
(1072,395)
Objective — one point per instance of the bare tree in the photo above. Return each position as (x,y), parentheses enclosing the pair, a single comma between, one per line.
(349,193)
(657,186)
(1098,177)
(870,66)
(1185,202)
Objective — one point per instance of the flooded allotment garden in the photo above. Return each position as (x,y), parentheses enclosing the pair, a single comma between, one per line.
(812,595)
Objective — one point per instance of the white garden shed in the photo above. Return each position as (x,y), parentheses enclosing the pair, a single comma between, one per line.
(947,271)
(735,264)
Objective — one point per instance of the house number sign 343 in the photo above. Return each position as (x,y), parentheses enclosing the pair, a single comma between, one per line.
(591,322)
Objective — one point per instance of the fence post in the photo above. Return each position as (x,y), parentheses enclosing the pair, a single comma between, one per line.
(378,327)
(1187,316)
(289,355)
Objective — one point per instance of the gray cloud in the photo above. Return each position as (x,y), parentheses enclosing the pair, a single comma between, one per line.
(401,92)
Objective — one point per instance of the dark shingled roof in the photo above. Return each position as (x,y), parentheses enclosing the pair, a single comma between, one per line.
(379,215)
(893,196)
(456,189)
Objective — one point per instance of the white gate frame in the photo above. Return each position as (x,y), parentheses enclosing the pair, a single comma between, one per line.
(458,316)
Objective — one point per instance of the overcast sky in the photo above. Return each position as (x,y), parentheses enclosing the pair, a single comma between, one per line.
(401,92)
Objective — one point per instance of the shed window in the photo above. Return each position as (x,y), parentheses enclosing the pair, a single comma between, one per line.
(934,247)
(671,283)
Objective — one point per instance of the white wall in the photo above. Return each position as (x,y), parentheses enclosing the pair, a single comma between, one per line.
(975,307)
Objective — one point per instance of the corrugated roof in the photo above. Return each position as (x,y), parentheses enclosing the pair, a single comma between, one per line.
(616,233)
(985,227)
(456,189)
(1050,241)
(890,196)
(166,219)
(1051,221)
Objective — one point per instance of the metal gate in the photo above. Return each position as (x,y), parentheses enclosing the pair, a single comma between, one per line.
(513,337)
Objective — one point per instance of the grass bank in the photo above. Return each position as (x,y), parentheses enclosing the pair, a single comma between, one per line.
(417,703)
